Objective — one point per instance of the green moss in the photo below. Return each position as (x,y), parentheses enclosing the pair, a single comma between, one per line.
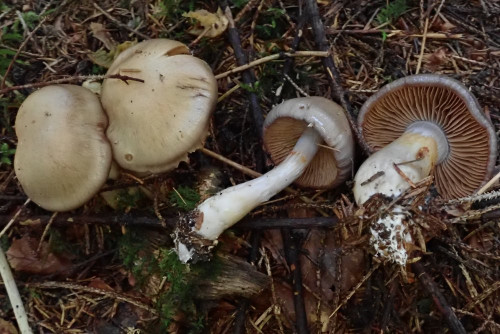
(392,11)
(185,198)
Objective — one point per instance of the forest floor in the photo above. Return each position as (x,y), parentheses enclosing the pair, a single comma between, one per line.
(108,266)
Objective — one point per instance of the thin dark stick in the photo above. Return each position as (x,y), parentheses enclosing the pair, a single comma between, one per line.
(333,76)
(239,321)
(121,25)
(295,44)
(12,198)
(265,224)
(292,258)
(75,78)
(248,79)
(441,302)
(64,219)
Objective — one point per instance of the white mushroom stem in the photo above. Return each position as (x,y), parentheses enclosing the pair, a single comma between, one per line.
(223,210)
(410,158)
(14,297)
(226,208)
(414,153)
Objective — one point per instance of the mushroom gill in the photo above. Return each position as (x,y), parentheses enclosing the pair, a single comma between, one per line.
(464,169)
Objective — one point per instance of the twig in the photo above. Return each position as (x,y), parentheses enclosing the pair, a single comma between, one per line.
(330,67)
(292,258)
(248,79)
(488,185)
(64,219)
(422,47)
(125,78)
(11,221)
(77,287)
(281,55)
(45,231)
(118,23)
(295,44)
(241,168)
(441,302)
(360,283)
(239,321)
(14,296)
(21,47)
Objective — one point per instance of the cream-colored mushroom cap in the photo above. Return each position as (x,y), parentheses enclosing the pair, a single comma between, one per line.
(63,157)
(154,124)
(333,163)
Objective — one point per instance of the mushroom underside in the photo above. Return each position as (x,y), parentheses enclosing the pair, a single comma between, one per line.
(469,161)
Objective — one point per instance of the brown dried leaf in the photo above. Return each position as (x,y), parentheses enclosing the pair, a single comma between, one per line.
(22,256)
(436,59)
(209,24)
(102,34)
(98,283)
(7,327)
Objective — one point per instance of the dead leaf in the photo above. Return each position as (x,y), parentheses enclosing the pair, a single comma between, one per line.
(209,24)
(436,59)
(105,58)
(7,327)
(101,33)
(100,284)
(22,256)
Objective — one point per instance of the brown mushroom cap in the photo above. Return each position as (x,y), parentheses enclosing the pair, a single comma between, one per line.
(63,157)
(447,103)
(284,125)
(153,125)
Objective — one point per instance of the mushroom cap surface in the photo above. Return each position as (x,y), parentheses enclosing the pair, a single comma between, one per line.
(155,124)
(63,157)
(448,104)
(286,122)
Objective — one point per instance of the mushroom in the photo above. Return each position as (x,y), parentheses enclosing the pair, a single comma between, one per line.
(63,157)
(420,125)
(424,124)
(153,125)
(306,136)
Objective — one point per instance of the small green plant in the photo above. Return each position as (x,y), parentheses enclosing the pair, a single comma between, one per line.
(128,199)
(271,24)
(392,11)
(180,278)
(6,154)
(184,198)
(239,3)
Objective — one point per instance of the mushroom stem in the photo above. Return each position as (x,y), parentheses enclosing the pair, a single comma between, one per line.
(389,172)
(226,208)
(411,157)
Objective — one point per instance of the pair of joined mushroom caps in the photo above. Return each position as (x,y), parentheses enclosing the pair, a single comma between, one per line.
(63,156)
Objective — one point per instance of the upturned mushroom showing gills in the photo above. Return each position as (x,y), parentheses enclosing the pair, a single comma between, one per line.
(311,140)
(421,125)
(424,124)
(154,125)
(63,157)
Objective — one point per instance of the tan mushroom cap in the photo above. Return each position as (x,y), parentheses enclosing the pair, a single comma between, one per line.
(286,122)
(448,104)
(63,157)
(153,125)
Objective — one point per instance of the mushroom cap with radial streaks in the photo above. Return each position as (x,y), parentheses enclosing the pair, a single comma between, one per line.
(447,103)
(63,157)
(286,122)
(154,124)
